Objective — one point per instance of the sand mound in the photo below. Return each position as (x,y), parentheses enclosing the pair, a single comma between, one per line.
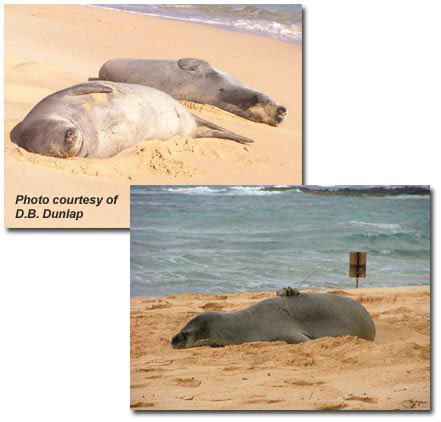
(151,157)
(177,157)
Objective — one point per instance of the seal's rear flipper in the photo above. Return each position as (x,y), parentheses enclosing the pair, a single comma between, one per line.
(296,337)
(207,129)
(89,88)
(15,134)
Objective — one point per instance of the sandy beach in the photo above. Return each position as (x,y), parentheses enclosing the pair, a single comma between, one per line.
(50,47)
(344,373)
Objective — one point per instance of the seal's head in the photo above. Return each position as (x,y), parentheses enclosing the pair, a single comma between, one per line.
(195,333)
(268,111)
(253,105)
(54,137)
(221,89)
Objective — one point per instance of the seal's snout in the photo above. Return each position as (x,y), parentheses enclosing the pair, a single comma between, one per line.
(281,110)
(281,113)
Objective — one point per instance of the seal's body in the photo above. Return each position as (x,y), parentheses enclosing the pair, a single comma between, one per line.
(100,119)
(197,81)
(295,318)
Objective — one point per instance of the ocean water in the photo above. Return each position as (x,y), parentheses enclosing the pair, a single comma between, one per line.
(280,21)
(234,239)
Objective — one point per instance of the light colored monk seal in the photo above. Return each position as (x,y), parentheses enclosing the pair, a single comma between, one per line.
(197,81)
(100,119)
(291,316)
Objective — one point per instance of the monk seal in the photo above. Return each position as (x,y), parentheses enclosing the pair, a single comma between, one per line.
(197,81)
(291,316)
(100,119)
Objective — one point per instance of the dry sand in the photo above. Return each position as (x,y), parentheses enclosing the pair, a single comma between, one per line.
(50,47)
(344,373)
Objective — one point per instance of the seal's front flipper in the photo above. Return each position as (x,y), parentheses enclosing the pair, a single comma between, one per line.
(192,65)
(94,79)
(207,129)
(89,88)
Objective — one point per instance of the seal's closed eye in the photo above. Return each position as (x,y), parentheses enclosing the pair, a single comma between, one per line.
(71,136)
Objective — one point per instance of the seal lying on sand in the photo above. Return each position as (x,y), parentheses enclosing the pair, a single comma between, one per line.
(197,81)
(292,316)
(99,119)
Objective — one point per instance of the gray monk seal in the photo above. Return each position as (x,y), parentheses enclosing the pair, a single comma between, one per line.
(197,81)
(100,119)
(291,316)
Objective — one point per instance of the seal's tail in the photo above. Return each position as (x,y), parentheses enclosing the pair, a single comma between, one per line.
(207,129)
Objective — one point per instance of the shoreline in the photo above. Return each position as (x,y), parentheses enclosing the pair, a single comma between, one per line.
(321,374)
(327,289)
(213,25)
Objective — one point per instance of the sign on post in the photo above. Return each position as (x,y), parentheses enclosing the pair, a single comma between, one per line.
(357,265)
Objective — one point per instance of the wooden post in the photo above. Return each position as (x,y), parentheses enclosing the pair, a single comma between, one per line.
(357,265)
